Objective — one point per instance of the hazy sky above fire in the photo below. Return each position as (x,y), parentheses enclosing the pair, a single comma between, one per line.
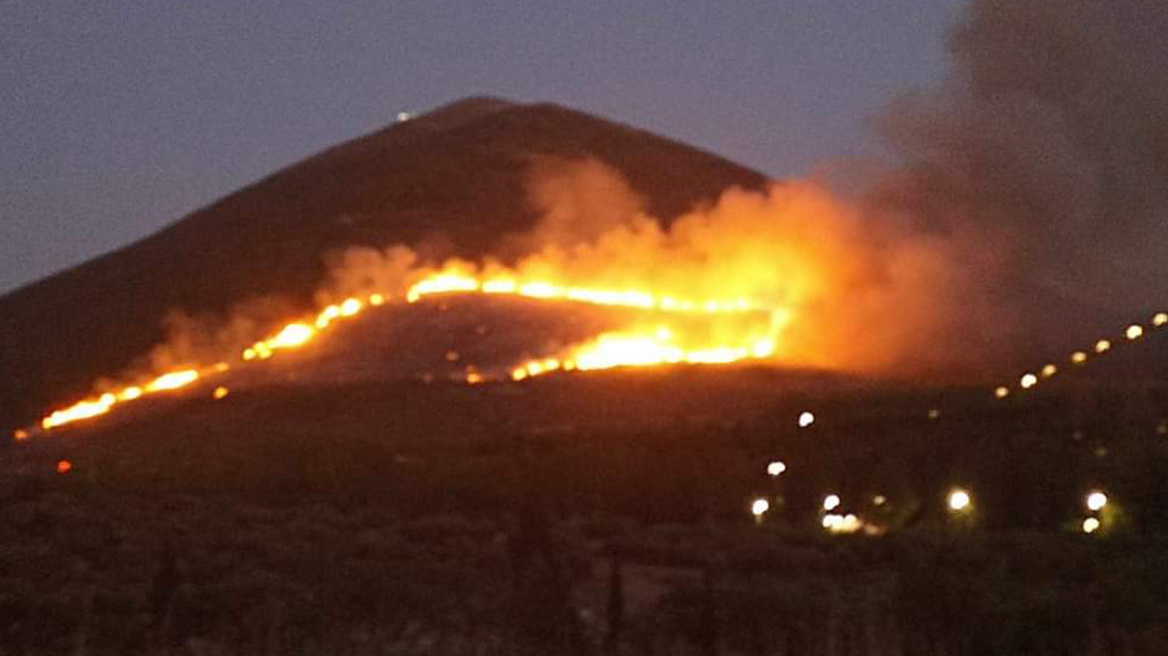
(119,117)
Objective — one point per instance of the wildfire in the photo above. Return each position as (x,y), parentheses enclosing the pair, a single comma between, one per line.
(744,280)
(454,279)
(101,405)
(749,279)
(649,345)
(654,345)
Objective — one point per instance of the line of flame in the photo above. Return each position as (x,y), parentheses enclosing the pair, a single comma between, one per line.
(450,280)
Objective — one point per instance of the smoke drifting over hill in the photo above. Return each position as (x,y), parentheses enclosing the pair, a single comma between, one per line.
(1027,203)
(1035,171)
(854,292)
(1049,137)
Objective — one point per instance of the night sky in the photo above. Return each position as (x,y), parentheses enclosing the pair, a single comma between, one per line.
(119,117)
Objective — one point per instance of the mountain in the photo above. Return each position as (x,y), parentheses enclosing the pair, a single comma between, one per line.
(450,182)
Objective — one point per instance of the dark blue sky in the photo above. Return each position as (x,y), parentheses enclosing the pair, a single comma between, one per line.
(120,116)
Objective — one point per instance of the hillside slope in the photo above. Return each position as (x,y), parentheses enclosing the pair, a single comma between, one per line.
(450,181)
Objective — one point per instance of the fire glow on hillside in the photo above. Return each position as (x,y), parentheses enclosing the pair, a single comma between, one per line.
(630,348)
(791,275)
(756,333)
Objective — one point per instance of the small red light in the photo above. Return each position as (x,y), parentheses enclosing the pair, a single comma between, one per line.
(64,466)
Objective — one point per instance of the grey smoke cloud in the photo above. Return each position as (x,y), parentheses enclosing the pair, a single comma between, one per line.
(1049,137)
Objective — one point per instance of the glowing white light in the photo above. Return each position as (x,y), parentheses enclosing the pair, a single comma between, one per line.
(806,419)
(1090,525)
(1028,381)
(404,116)
(1134,332)
(831,502)
(959,500)
(1103,346)
(1078,357)
(777,467)
(842,523)
(1160,320)
(1096,501)
(879,500)
(759,507)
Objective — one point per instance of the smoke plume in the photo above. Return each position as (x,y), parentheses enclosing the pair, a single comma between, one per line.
(1036,170)
(1048,138)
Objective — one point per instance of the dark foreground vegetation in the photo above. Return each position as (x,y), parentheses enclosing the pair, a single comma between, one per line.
(509,520)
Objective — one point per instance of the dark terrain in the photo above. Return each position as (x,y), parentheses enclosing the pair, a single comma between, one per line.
(411,517)
(358,498)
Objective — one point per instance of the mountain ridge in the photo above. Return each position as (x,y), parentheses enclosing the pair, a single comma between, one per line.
(450,183)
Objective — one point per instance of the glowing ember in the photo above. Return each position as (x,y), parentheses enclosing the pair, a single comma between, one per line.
(78,411)
(327,316)
(220,393)
(1078,357)
(20,435)
(64,466)
(1049,371)
(293,335)
(130,393)
(442,284)
(172,381)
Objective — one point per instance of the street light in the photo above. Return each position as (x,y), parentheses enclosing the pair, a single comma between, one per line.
(1096,501)
(959,500)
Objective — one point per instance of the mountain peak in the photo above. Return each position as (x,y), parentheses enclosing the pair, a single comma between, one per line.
(452,180)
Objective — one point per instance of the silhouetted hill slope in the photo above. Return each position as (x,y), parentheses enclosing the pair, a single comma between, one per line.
(451,182)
